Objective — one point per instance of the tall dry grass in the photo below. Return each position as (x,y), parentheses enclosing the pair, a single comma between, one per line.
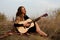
(50,26)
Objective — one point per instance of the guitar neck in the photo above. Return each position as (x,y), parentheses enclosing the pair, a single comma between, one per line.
(37,19)
(40,17)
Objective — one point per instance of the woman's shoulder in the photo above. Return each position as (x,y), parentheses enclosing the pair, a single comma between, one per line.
(17,17)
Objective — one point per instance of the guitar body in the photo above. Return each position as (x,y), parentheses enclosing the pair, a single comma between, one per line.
(23,29)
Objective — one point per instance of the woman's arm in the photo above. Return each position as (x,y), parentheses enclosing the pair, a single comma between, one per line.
(25,24)
(17,20)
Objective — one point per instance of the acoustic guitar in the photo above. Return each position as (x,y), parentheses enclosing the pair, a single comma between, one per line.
(23,29)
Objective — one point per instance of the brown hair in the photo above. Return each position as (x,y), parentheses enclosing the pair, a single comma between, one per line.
(19,11)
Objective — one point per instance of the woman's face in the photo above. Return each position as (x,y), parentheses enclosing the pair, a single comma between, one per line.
(23,10)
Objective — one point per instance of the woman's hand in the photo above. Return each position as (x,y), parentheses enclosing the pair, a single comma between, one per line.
(26,24)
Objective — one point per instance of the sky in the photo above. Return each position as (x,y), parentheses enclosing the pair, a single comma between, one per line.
(34,8)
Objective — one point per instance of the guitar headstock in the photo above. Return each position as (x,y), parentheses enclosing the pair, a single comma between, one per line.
(44,15)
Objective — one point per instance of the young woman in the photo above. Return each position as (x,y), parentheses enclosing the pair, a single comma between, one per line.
(21,16)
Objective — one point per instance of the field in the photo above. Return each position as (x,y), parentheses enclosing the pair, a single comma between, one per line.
(50,26)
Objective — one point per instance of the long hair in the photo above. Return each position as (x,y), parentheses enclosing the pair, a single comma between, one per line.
(19,11)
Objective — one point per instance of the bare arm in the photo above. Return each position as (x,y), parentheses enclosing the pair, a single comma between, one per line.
(17,20)
(25,24)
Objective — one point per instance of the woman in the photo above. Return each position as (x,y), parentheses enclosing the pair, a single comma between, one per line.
(21,16)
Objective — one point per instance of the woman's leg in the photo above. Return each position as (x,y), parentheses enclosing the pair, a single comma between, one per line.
(38,30)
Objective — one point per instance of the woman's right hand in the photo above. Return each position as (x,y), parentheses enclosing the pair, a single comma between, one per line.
(26,24)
